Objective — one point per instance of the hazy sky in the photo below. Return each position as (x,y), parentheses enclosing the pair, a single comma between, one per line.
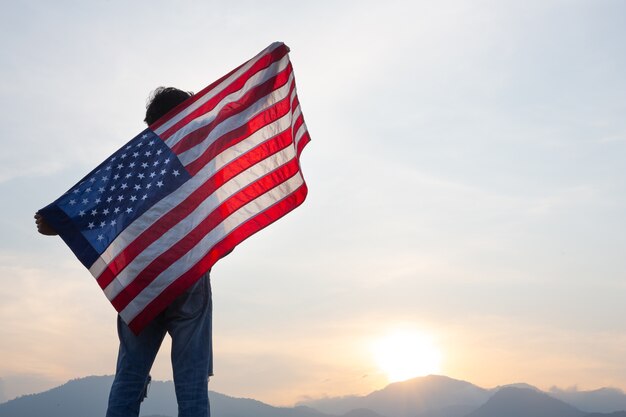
(466,174)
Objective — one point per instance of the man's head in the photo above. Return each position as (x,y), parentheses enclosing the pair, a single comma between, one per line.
(162,100)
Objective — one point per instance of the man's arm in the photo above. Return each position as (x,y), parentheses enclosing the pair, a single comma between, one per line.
(43,227)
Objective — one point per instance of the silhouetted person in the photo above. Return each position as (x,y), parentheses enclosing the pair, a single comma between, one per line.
(187,320)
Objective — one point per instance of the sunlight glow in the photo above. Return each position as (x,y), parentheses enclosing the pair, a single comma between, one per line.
(403,355)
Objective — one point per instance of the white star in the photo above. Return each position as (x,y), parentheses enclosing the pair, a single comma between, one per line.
(148,153)
(112,188)
(139,144)
(105,211)
(72,202)
(124,186)
(128,147)
(159,152)
(131,165)
(116,176)
(129,210)
(76,191)
(137,187)
(144,165)
(91,225)
(163,171)
(145,135)
(133,198)
(98,200)
(153,174)
(81,213)
(92,179)
(109,199)
(144,196)
(101,189)
(85,201)
(148,185)
(88,190)
(113,222)
(160,184)
(123,156)
(175,173)
(108,168)
(102,224)
(128,175)
(114,158)
(167,161)
(135,154)
(120,166)
(105,178)
(141,176)
(155,163)
(120,198)
(100,237)
(94,212)
(116,210)
(151,143)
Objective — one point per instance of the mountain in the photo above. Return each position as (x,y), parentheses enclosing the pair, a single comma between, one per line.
(432,396)
(88,397)
(524,402)
(603,400)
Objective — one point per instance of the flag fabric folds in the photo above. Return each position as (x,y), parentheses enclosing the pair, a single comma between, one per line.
(157,214)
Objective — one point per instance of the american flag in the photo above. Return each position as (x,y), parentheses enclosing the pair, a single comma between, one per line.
(155,216)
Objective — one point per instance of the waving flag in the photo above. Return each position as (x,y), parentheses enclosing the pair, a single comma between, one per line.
(155,216)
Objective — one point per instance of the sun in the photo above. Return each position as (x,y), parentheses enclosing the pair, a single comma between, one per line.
(402,355)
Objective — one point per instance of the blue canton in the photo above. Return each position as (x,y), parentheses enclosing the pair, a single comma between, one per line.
(122,188)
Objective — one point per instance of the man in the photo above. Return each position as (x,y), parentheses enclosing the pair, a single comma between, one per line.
(187,320)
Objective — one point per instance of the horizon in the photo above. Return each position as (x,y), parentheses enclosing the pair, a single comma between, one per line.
(466,184)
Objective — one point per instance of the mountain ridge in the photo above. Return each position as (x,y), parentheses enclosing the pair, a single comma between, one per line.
(430,396)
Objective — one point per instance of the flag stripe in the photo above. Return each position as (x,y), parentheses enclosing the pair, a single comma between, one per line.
(242,224)
(189,106)
(268,117)
(233,93)
(226,165)
(154,242)
(193,236)
(248,105)
(231,123)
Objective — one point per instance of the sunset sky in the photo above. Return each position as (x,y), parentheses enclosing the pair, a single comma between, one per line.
(467,190)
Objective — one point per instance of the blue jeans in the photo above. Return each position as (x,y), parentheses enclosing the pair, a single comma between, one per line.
(188,321)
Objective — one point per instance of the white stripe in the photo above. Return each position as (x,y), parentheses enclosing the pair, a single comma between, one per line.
(214,91)
(296,113)
(299,134)
(235,122)
(151,215)
(206,118)
(293,95)
(185,226)
(181,266)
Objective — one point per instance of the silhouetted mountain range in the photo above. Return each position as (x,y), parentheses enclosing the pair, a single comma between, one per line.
(431,396)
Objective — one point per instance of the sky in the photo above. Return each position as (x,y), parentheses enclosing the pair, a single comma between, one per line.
(466,189)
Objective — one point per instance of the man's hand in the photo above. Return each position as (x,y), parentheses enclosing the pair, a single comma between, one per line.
(43,227)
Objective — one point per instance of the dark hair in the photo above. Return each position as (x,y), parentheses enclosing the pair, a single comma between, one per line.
(162,100)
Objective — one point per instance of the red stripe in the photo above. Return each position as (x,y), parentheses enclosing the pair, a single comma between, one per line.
(303,142)
(167,116)
(167,221)
(263,62)
(235,136)
(233,108)
(238,235)
(183,246)
(296,125)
